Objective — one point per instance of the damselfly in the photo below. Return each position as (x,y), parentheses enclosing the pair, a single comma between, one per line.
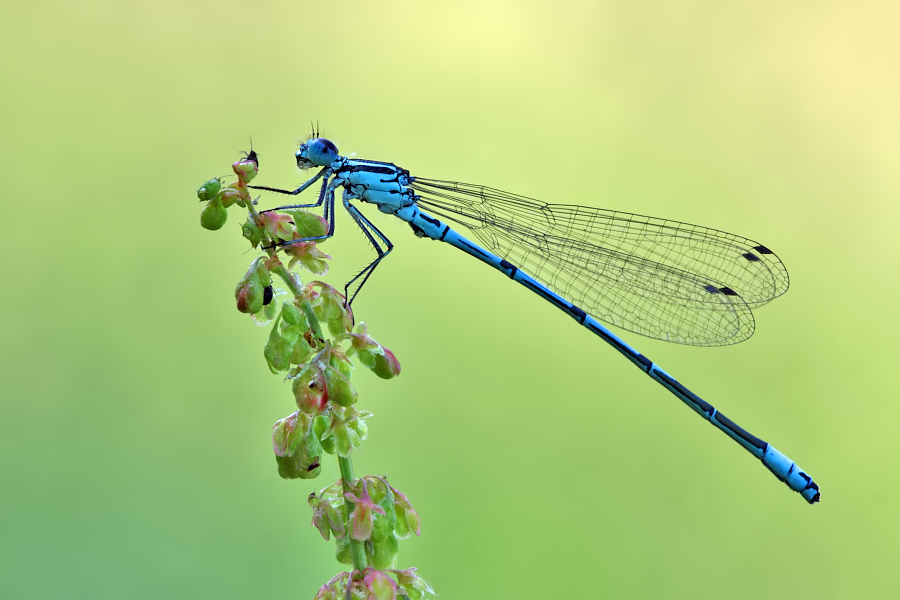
(663,279)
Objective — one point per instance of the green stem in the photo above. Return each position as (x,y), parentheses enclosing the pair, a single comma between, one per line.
(307,309)
(357,550)
(291,281)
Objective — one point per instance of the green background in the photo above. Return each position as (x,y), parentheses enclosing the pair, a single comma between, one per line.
(136,408)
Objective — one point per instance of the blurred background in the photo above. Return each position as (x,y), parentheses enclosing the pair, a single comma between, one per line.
(135,405)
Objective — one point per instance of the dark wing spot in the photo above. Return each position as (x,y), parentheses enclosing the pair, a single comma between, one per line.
(711,289)
(728,291)
(750,256)
(762,250)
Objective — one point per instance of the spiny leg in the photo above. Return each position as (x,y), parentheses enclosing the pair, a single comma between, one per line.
(366,226)
(291,206)
(326,171)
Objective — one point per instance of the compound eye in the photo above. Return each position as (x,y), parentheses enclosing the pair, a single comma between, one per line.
(321,151)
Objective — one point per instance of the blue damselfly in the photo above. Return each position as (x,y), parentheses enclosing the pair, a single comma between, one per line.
(663,279)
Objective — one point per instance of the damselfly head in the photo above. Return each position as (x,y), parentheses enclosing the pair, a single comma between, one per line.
(317,152)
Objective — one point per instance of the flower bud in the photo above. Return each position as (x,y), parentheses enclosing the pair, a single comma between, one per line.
(303,465)
(293,326)
(286,433)
(329,306)
(338,359)
(307,459)
(346,368)
(277,225)
(250,291)
(214,215)
(379,586)
(349,429)
(407,517)
(277,352)
(363,345)
(252,232)
(381,555)
(308,255)
(326,517)
(302,352)
(235,193)
(342,552)
(384,524)
(373,355)
(309,389)
(339,389)
(291,334)
(210,189)
(292,315)
(297,449)
(359,426)
(230,196)
(327,592)
(362,517)
(247,168)
(309,224)
(322,428)
(414,586)
(268,311)
(345,440)
(386,364)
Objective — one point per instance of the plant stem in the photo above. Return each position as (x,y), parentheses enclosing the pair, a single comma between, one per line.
(311,317)
(357,550)
(280,270)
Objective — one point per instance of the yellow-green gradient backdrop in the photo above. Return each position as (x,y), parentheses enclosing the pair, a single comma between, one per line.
(136,408)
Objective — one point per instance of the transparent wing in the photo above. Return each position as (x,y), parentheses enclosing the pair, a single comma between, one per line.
(663,279)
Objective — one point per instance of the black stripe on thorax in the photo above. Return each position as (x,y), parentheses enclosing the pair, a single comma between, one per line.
(356,165)
(373,168)
(370,162)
